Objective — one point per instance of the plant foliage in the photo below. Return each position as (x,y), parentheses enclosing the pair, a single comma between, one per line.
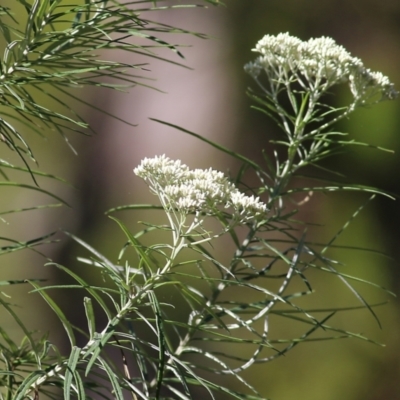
(178,315)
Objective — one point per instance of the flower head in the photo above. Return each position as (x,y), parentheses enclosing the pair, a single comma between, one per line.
(317,64)
(197,191)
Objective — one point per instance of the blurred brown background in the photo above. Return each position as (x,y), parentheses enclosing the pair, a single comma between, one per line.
(210,100)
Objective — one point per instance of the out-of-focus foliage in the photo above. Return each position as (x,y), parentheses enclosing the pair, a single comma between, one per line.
(53,44)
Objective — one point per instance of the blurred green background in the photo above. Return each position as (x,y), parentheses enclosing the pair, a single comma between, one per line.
(210,100)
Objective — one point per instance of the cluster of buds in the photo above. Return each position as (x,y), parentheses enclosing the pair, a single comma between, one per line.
(202,192)
(317,64)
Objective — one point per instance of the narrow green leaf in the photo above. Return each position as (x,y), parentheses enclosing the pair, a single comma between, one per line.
(145,259)
(21,185)
(23,327)
(161,342)
(12,345)
(343,187)
(80,388)
(71,371)
(17,281)
(117,392)
(90,316)
(84,285)
(135,207)
(211,143)
(97,345)
(66,324)
(26,386)
(93,251)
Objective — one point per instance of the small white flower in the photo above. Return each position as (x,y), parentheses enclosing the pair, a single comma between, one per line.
(317,64)
(161,169)
(197,191)
(247,206)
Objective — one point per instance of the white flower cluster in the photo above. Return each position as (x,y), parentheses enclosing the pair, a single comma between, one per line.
(199,191)
(317,64)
